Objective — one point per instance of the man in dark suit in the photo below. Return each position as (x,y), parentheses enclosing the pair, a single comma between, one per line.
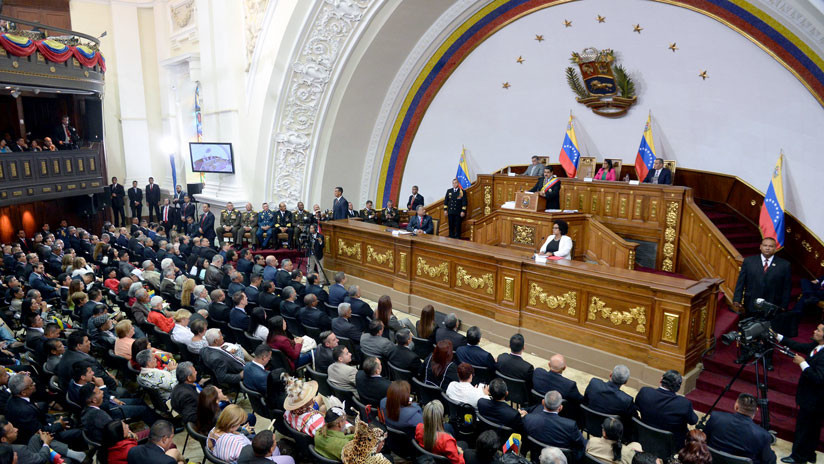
(118,197)
(513,364)
(267,298)
(553,379)
(135,200)
(259,452)
(161,439)
(323,353)
(207,225)
(342,325)
(186,210)
(237,316)
(184,394)
(473,354)
(552,193)
(351,212)
(79,346)
(658,174)
(339,204)
(546,426)
(738,435)
(312,316)
(313,288)
(454,205)
(415,200)
(33,452)
(65,136)
(812,291)
(337,291)
(421,223)
(227,367)
(607,397)
(93,418)
(19,146)
(295,281)
(809,396)
(402,357)
(253,290)
(153,200)
(497,410)
(284,274)
(448,331)
(359,307)
(663,409)
(370,384)
(255,375)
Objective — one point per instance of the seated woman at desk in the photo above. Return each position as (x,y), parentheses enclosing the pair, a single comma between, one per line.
(607,172)
(558,243)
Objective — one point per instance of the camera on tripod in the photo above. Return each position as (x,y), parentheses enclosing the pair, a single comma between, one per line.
(749,331)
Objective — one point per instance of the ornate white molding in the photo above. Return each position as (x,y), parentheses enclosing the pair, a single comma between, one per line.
(807,22)
(320,55)
(254,14)
(400,86)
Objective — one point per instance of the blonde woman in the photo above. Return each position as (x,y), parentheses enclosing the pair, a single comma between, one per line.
(67,263)
(79,267)
(186,293)
(226,441)
(181,332)
(432,437)
(125,337)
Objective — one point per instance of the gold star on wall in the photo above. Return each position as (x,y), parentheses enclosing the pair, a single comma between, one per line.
(601,18)
(539,38)
(506,85)
(520,60)
(673,47)
(703,75)
(567,23)
(637,28)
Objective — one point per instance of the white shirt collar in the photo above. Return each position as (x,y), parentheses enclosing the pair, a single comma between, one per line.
(258,365)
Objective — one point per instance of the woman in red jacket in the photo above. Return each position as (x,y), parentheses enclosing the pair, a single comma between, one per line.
(280,339)
(118,439)
(432,437)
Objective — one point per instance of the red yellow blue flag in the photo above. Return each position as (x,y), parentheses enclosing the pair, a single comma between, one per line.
(569,151)
(463,171)
(771,220)
(646,152)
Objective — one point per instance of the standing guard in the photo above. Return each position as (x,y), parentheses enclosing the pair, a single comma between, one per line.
(454,205)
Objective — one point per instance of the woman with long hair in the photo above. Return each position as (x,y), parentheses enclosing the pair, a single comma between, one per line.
(426,326)
(432,437)
(398,409)
(439,369)
(186,294)
(608,446)
(208,408)
(695,450)
(257,324)
(391,323)
(280,338)
(607,172)
(67,263)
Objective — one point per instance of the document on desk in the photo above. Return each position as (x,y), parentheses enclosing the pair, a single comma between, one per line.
(400,232)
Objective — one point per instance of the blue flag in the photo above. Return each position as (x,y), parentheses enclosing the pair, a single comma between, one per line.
(174,172)
(463,171)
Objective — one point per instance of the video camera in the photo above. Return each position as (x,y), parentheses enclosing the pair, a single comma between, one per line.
(750,330)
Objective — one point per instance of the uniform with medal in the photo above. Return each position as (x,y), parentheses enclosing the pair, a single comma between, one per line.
(454,205)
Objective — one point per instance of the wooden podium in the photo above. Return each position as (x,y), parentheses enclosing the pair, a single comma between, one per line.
(529,201)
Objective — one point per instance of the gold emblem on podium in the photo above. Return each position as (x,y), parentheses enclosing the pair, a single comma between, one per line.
(606,89)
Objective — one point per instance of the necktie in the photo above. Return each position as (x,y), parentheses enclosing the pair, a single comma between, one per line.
(66,129)
(203,219)
(165,214)
(766,264)
(815,350)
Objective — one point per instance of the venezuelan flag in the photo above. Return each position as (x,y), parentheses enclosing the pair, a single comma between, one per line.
(771,221)
(646,152)
(463,171)
(569,151)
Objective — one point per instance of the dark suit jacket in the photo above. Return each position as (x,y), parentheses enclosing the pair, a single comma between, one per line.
(315,317)
(323,359)
(93,421)
(251,293)
(424,225)
(214,276)
(665,178)
(70,358)
(255,378)
(552,429)
(501,413)
(337,293)
(318,291)
(219,311)
(737,434)
(184,401)
(607,398)
(339,208)
(238,319)
(406,359)
(207,223)
(152,193)
(544,381)
(553,198)
(149,453)
(234,287)
(514,366)
(118,195)
(135,195)
(282,278)
(226,368)
(268,301)
(753,283)
(810,392)
(445,334)
(361,308)
(247,456)
(371,389)
(475,355)
(28,419)
(413,205)
(666,410)
(343,328)
(60,136)
(187,210)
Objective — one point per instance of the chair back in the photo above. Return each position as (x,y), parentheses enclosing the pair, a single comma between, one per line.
(302,440)
(518,393)
(423,347)
(503,431)
(279,359)
(322,380)
(313,332)
(593,420)
(462,417)
(318,458)
(535,447)
(422,452)
(258,403)
(344,395)
(396,373)
(94,446)
(248,342)
(362,409)
(293,325)
(166,340)
(590,459)
(331,310)
(659,442)
(353,348)
(74,408)
(237,333)
(185,354)
(400,443)
(427,393)
(482,375)
(721,457)
(210,457)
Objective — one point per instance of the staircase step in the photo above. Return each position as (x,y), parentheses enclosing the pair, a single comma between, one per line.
(780,403)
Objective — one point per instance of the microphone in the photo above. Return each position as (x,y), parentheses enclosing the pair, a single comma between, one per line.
(766,306)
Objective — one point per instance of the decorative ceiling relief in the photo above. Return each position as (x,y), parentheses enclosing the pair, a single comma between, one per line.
(254,11)
(183,15)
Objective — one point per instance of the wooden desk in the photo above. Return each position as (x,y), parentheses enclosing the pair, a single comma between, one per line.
(661,321)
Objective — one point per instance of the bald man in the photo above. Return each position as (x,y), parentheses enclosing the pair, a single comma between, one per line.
(544,381)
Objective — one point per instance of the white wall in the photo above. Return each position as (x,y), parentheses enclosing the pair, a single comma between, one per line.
(735,122)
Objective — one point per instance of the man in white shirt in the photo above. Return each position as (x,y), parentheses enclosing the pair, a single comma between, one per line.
(162,380)
(464,391)
(341,374)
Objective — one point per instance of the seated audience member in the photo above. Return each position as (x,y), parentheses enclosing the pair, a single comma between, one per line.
(118,439)
(262,450)
(100,329)
(464,391)
(267,298)
(497,410)
(373,343)
(606,172)
(658,174)
(695,450)
(398,409)
(237,316)
(201,298)
(279,338)
(664,409)
(235,284)
(79,346)
(341,374)
(323,353)
(226,440)
(337,291)
(160,447)
(554,455)
(125,337)
(181,332)
(371,387)
(608,446)
(93,418)
(402,357)
(55,350)
(299,406)
(342,325)
(185,393)
(513,365)
(449,331)
(158,317)
(431,436)
(218,310)
(198,341)
(473,354)
(290,308)
(312,315)
(331,438)
(558,244)
(737,434)
(152,378)
(607,397)
(253,290)
(391,323)
(141,344)
(208,408)
(255,375)
(553,379)
(439,369)
(225,360)
(486,449)
(257,325)
(545,425)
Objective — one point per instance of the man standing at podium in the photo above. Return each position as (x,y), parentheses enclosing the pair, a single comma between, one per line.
(454,204)
(549,187)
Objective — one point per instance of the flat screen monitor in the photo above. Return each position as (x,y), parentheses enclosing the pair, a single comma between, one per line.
(212,157)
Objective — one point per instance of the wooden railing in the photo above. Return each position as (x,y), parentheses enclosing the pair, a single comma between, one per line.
(27,177)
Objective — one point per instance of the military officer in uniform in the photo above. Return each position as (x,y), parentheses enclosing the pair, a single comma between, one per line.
(248,223)
(283,224)
(302,219)
(265,222)
(454,205)
(229,221)
(390,215)
(369,214)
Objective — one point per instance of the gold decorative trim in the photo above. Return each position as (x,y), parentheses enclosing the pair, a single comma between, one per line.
(402,261)
(568,300)
(26,168)
(670,332)
(653,210)
(568,201)
(509,288)
(13,168)
(703,324)
(80,165)
(631,260)
(47,189)
(669,237)
(68,166)
(91,164)
(380,258)
(71,186)
(580,202)
(622,210)
(523,235)
(56,166)
(487,199)
(349,250)
(637,315)
(433,271)
(487,280)
(594,204)
(95,184)
(608,205)
(44,169)
(638,204)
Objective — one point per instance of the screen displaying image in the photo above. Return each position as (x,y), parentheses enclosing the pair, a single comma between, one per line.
(212,157)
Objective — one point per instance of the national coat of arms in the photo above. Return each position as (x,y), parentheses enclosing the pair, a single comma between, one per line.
(606,87)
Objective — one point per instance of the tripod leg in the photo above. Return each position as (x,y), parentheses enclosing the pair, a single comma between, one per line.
(761,391)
